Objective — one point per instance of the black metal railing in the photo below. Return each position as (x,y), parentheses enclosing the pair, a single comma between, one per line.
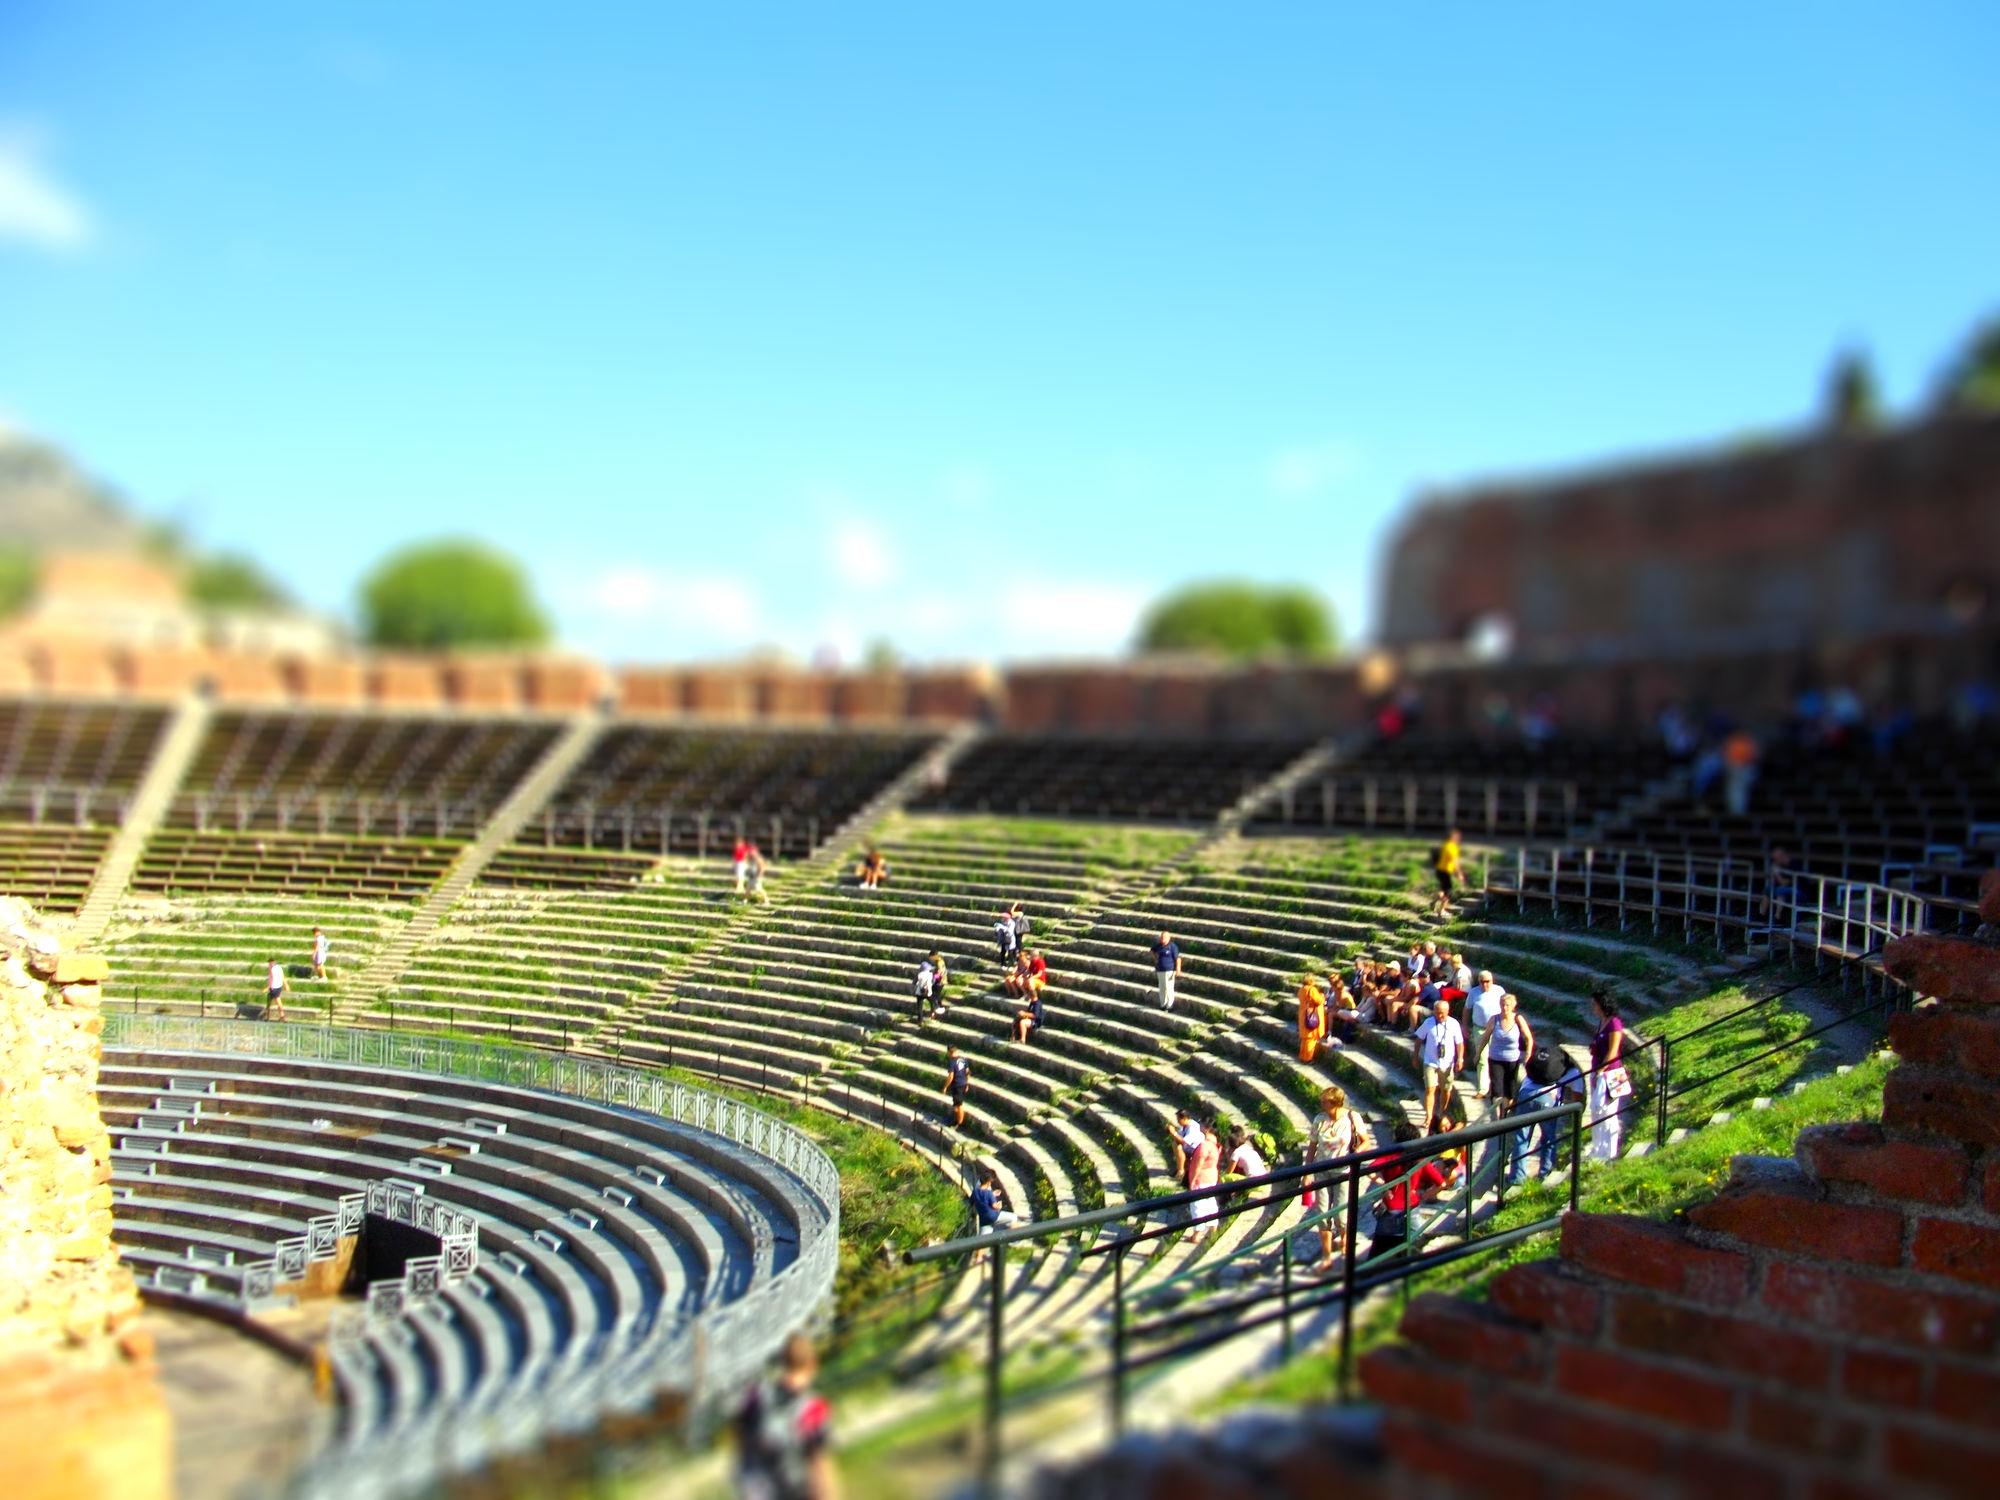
(1179,1334)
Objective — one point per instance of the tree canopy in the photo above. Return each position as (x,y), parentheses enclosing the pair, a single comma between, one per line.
(450,593)
(1972,380)
(1240,618)
(229,580)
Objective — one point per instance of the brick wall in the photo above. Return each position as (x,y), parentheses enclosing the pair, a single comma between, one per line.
(1825,1328)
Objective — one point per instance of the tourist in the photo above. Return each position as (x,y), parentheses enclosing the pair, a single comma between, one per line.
(1781,887)
(1740,753)
(989,1208)
(1006,938)
(1610,1084)
(1312,1019)
(740,857)
(1245,1160)
(756,864)
(1483,1005)
(321,948)
(1506,1042)
(1398,1007)
(1461,973)
(1550,1080)
(872,870)
(1028,1019)
(1204,1172)
(274,992)
(1029,974)
(957,1083)
(1445,865)
(1412,1180)
(1439,1047)
(1413,966)
(928,987)
(1167,965)
(783,1432)
(1336,1131)
(1187,1141)
(1343,1014)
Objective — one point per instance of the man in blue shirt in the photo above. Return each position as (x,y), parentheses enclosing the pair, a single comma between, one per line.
(989,1207)
(957,1083)
(1167,964)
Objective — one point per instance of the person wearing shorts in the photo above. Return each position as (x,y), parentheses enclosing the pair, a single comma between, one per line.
(1440,1050)
(322,949)
(957,1083)
(274,992)
(1446,870)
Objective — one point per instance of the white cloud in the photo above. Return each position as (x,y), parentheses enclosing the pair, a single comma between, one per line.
(861,555)
(631,612)
(35,209)
(1300,472)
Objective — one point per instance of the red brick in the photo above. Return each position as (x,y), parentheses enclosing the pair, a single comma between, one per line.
(1950,1464)
(1399,1376)
(1949,968)
(1950,1039)
(1734,1343)
(1804,1225)
(1614,1379)
(1803,1427)
(1989,898)
(1576,1432)
(1832,1487)
(1895,1169)
(1882,1379)
(1726,1474)
(1959,1108)
(1539,1293)
(1968,1394)
(1642,1253)
(1964,1252)
(1450,1454)
(1846,1304)
(1469,1333)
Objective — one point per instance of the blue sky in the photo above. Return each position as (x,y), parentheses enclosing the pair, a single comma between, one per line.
(965,327)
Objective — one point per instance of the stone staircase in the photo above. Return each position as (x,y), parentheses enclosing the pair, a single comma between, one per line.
(534,789)
(172,755)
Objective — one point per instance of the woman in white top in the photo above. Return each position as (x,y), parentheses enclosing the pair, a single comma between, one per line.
(1244,1159)
(1336,1131)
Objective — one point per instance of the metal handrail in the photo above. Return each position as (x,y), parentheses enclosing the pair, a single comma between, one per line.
(1325,1175)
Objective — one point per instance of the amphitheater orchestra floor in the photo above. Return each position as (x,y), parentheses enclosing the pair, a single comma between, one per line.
(244,1416)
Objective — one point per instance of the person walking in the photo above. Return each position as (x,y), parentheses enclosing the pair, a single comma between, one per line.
(740,859)
(1205,1171)
(321,949)
(1445,865)
(957,1083)
(1440,1054)
(1482,1005)
(274,992)
(1167,965)
(1610,1084)
(757,891)
(1312,1019)
(1507,1042)
(784,1432)
(1007,940)
(1336,1131)
(928,987)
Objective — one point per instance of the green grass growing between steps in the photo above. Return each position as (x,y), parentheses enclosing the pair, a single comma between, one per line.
(1118,846)
(1660,1186)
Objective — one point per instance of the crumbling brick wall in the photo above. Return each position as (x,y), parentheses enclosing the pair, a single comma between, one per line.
(1826,1328)
(80,1412)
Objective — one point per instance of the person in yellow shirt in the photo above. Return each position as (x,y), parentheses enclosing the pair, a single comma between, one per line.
(1445,865)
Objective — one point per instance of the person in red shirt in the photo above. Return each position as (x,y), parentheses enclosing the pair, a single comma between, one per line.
(742,861)
(784,1432)
(1411,1181)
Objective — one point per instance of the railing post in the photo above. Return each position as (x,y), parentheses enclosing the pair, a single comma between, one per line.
(1285,1293)
(1118,1342)
(1347,1282)
(1660,1087)
(990,1456)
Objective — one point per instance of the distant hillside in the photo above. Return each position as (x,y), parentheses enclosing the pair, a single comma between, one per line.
(48,504)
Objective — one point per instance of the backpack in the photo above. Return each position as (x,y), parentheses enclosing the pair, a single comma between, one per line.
(921,985)
(774,1430)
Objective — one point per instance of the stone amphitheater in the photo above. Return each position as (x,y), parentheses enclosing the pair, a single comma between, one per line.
(526,1163)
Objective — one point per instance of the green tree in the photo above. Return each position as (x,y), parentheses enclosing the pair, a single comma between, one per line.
(1972,380)
(229,580)
(1241,619)
(1853,399)
(450,593)
(18,574)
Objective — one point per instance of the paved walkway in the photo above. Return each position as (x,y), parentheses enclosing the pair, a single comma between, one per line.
(245,1417)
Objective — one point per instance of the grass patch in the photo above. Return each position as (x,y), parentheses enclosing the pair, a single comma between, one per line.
(1660,1186)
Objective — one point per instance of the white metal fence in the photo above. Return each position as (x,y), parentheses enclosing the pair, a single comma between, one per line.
(706,1356)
